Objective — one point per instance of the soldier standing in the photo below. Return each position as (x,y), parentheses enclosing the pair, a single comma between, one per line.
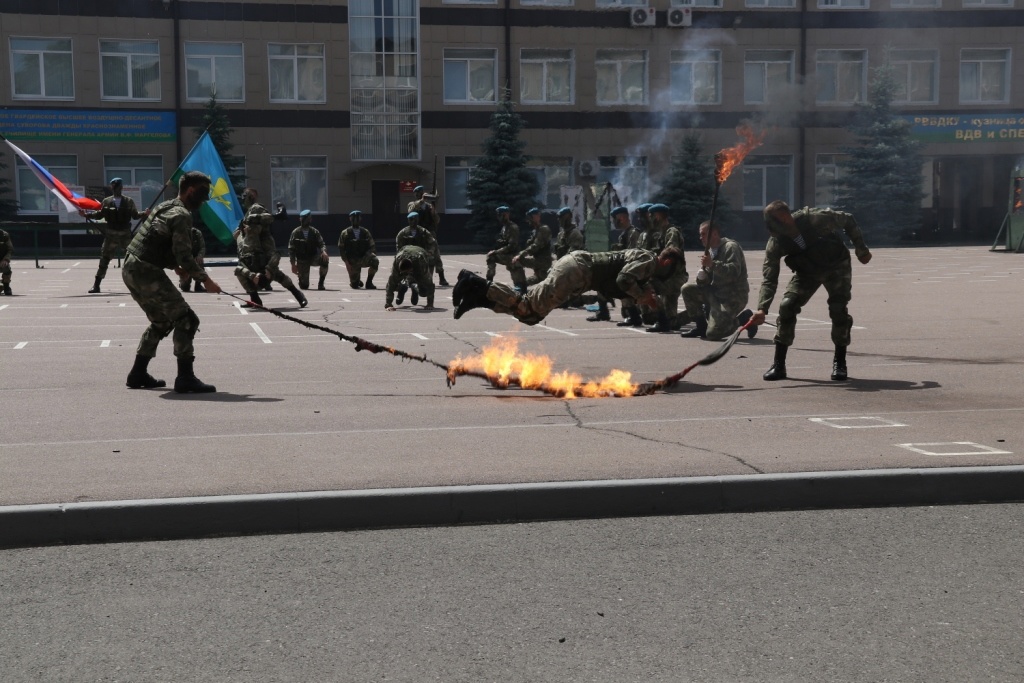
(258,260)
(812,246)
(118,212)
(358,251)
(429,220)
(306,246)
(535,255)
(6,252)
(716,301)
(569,236)
(507,245)
(164,242)
(411,263)
(198,253)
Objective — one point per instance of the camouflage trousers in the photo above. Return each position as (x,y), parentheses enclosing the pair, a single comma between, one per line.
(538,264)
(5,272)
(719,304)
(369,261)
(568,278)
(304,266)
(838,284)
(249,265)
(669,291)
(493,261)
(163,305)
(113,241)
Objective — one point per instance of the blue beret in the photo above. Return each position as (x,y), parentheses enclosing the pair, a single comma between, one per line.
(533,211)
(418,188)
(503,209)
(357,212)
(116,181)
(564,210)
(620,209)
(304,213)
(658,208)
(644,208)
(412,214)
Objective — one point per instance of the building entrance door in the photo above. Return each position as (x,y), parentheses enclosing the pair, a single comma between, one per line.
(388,217)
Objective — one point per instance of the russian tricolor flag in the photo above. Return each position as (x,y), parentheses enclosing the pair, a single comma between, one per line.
(72,200)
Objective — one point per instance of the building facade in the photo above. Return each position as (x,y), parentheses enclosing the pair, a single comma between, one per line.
(338,107)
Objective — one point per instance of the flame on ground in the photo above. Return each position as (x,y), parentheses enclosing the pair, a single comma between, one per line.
(730,157)
(502,364)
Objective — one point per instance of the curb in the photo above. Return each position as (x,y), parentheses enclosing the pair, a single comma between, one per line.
(199,517)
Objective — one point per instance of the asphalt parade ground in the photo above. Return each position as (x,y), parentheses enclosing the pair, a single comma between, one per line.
(306,433)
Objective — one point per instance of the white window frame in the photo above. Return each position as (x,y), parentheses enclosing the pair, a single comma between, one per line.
(695,57)
(834,56)
(213,59)
(828,173)
(294,59)
(763,65)
(772,4)
(697,3)
(128,167)
(911,4)
(457,166)
(988,3)
(621,58)
(630,175)
(298,202)
(844,4)
(546,57)
(453,55)
(902,61)
(25,180)
(40,53)
(1006,63)
(551,174)
(763,164)
(615,4)
(129,58)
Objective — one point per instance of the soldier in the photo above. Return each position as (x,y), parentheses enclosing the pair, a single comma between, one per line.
(416,236)
(118,212)
(811,244)
(716,301)
(569,236)
(668,290)
(536,254)
(412,263)
(507,245)
(629,236)
(649,238)
(6,252)
(164,242)
(258,260)
(429,220)
(198,253)
(358,251)
(306,246)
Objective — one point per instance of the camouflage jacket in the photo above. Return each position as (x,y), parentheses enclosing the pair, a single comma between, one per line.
(569,240)
(353,246)
(420,270)
(256,235)
(539,244)
(628,239)
(198,243)
(428,214)
(165,240)
(508,240)
(116,217)
(619,274)
(306,247)
(6,245)
(418,237)
(728,269)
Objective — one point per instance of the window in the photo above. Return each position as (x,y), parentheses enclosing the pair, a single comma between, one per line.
(145,171)
(696,3)
(469,2)
(842,4)
(984,75)
(916,3)
(621,3)
(765,179)
(130,69)
(456,176)
(842,76)
(470,76)
(33,197)
(988,3)
(628,175)
(549,3)
(214,69)
(384,77)
(827,176)
(771,3)
(546,76)
(621,76)
(695,76)
(551,174)
(916,73)
(41,68)
(296,72)
(767,75)
(299,183)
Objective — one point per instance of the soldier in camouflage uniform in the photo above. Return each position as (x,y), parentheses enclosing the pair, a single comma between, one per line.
(161,243)
(6,252)
(649,238)
(305,247)
(812,246)
(411,267)
(615,274)
(118,212)
(198,253)
(569,236)
(258,260)
(667,316)
(536,254)
(429,220)
(716,301)
(507,245)
(627,240)
(358,251)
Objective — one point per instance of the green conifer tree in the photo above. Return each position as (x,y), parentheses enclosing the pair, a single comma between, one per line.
(501,176)
(8,206)
(881,178)
(689,189)
(215,120)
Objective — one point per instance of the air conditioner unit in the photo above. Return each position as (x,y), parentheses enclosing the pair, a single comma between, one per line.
(641,16)
(587,168)
(679,17)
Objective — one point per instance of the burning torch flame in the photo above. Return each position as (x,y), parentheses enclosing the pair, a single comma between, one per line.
(501,364)
(730,157)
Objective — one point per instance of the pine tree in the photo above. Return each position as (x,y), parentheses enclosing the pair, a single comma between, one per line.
(215,120)
(8,207)
(880,181)
(689,189)
(501,176)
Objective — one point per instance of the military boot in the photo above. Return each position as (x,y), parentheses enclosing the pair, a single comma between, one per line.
(778,369)
(402,289)
(663,324)
(198,287)
(299,296)
(186,382)
(266,285)
(633,318)
(414,298)
(700,329)
(602,313)
(440,278)
(7,289)
(369,281)
(96,286)
(184,286)
(839,364)
(470,292)
(139,377)
(254,301)
(320,285)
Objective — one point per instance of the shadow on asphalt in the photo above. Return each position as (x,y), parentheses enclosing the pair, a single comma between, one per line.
(869,385)
(219,397)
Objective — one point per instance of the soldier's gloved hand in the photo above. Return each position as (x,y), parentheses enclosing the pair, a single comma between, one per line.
(863,255)
(255,278)
(211,286)
(757,318)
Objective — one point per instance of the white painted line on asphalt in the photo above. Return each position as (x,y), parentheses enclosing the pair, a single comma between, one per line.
(105,343)
(491,334)
(77,264)
(555,329)
(976,448)
(837,422)
(20,345)
(641,330)
(419,336)
(348,301)
(292,301)
(3,307)
(63,305)
(121,305)
(243,311)
(262,335)
(68,269)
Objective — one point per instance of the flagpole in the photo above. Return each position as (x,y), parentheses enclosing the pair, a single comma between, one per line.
(176,169)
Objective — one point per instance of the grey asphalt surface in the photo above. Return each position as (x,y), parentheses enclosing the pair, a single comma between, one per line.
(912,595)
(935,371)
